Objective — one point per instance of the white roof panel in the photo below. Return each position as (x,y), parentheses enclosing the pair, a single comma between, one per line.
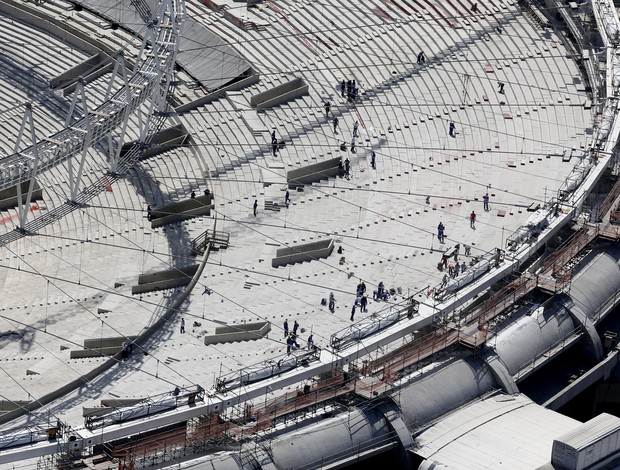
(508,432)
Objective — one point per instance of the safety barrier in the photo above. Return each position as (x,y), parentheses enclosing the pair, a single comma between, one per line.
(217,240)
(8,197)
(304,252)
(243,332)
(100,347)
(314,173)
(183,210)
(162,141)
(280,94)
(167,279)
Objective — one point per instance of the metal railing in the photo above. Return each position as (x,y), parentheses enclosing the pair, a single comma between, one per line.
(502,299)
(265,370)
(405,309)
(417,350)
(556,263)
(217,240)
(180,397)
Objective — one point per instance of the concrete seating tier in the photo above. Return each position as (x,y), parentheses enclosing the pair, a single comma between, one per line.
(250,78)
(226,120)
(379,217)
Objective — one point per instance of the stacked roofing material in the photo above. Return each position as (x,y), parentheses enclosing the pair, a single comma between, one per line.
(588,444)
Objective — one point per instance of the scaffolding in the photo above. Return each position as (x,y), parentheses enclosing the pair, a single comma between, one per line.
(413,353)
(238,425)
(554,276)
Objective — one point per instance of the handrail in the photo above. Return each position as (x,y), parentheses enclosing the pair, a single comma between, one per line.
(405,308)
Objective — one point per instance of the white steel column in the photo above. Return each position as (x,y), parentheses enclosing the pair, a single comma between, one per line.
(23,205)
(143,117)
(114,152)
(167,74)
(146,117)
(75,179)
(163,66)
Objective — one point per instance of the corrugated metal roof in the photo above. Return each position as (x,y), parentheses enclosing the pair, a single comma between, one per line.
(505,431)
(329,440)
(597,281)
(523,341)
(438,391)
(218,462)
